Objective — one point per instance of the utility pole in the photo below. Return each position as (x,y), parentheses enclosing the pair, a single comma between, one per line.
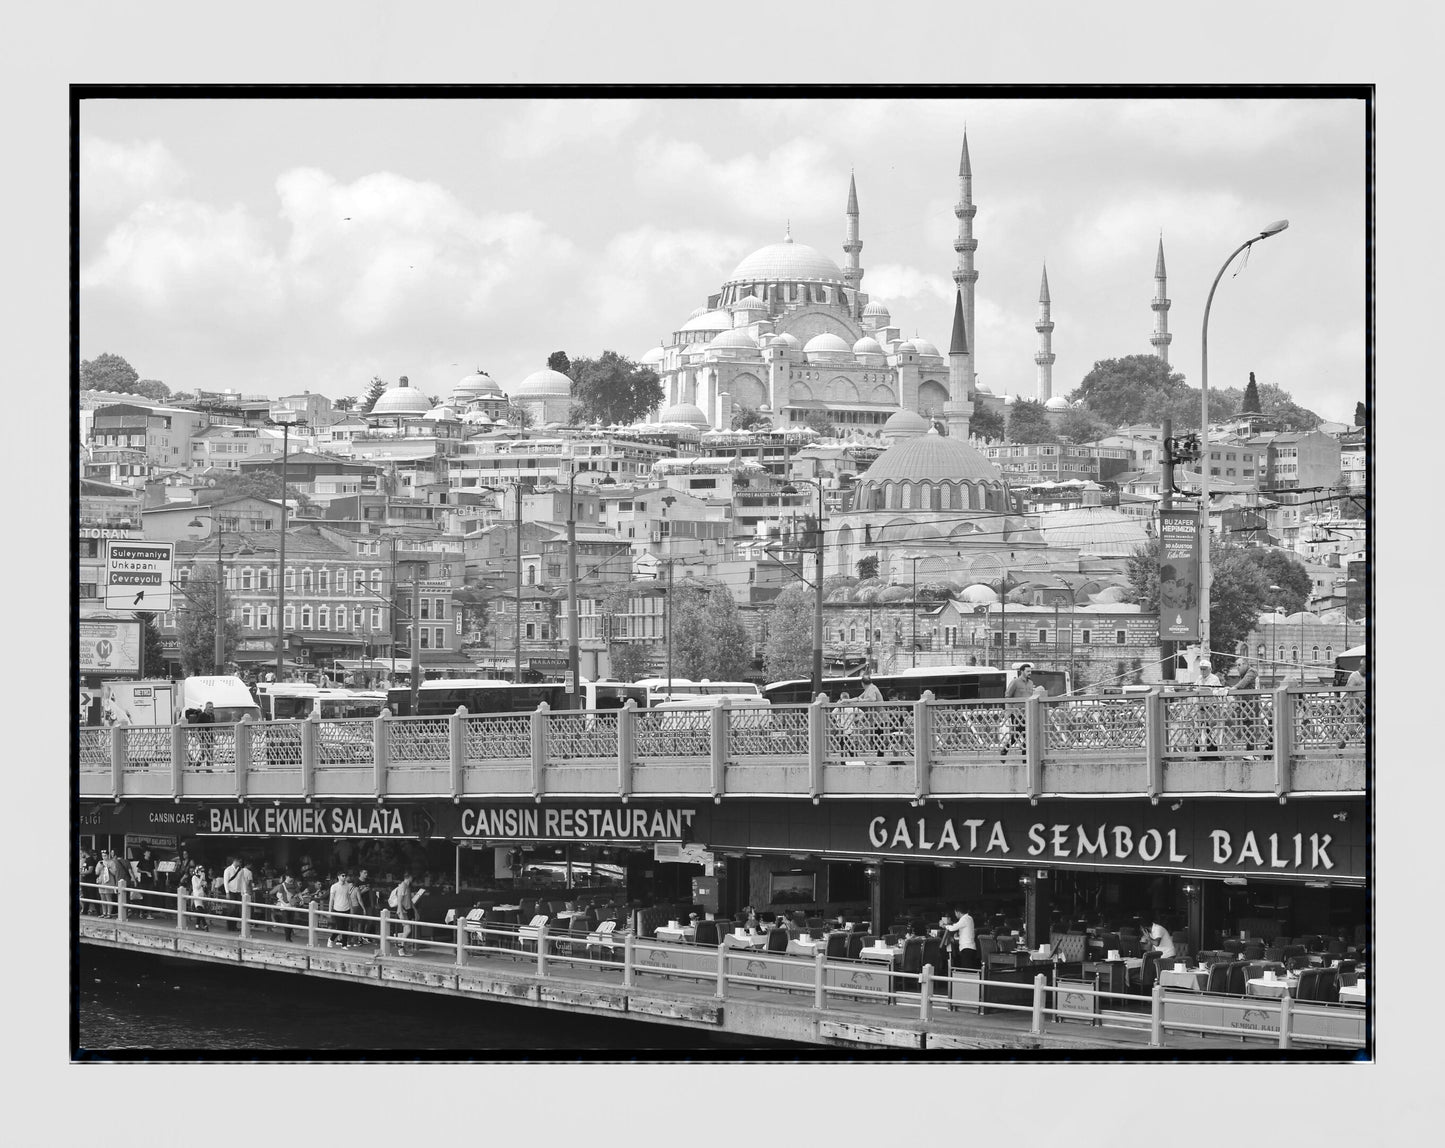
(517,620)
(415,638)
(1166,503)
(818,595)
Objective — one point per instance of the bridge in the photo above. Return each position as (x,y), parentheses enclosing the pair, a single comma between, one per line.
(1275,745)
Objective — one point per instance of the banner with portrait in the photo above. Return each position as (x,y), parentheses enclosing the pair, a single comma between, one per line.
(1179,575)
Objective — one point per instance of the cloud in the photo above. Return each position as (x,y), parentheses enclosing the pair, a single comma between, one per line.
(115,177)
(1114,232)
(784,183)
(546,126)
(643,272)
(907,290)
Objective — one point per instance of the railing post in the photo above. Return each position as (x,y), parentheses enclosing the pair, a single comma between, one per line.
(1156,1016)
(245,914)
(461,942)
(120,906)
(380,752)
(627,961)
(820,987)
(817,745)
(722,971)
(721,726)
(178,760)
(922,743)
(309,755)
(1284,705)
(626,747)
(383,930)
(1286,1019)
(1154,743)
(117,761)
(457,729)
(181,909)
(542,949)
(1034,745)
(925,994)
(1036,1024)
(312,913)
(539,749)
(242,752)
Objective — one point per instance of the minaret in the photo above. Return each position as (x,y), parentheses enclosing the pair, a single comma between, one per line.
(1045,356)
(852,245)
(959,408)
(965,277)
(1161,337)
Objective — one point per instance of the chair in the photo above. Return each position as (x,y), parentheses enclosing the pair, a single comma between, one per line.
(707,934)
(1280,942)
(1230,945)
(799,919)
(986,946)
(582,926)
(838,945)
(1234,978)
(1181,943)
(1130,946)
(1327,986)
(856,941)
(1254,951)
(1295,950)
(911,962)
(1346,971)
(1336,948)
(778,940)
(1218,977)
(1313,942)
(1307,987)
(1298,961)
(1149,972)
(1111,942)
(817,925)
(1274,953)
(892,938)
(527,908)
(936,955)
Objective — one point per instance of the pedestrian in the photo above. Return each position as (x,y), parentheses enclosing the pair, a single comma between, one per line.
(198,898)
(367,896)
(206,716)
(231,887)
(400,903)
(1016,718)
(847,718)
(338,904)
(1357,677)
(145,870)
(1246,678)
(288,902)
(358,907)
(963,937)
(1208,731)
(245,884)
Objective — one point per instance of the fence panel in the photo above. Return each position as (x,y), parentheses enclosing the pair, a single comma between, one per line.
(870,730)
(1084,724)
(675,733)
(589,734)
(768,732)
(966,729)
(418,739)
(498,738)
(1329,720)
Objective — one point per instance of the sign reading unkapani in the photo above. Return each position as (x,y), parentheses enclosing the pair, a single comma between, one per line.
(576,823)
(1179,575)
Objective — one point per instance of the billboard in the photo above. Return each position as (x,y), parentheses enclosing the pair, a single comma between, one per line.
(1179,575)
(109,647)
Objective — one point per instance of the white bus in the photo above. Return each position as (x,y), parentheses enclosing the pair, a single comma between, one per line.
(282,700)
(682,689)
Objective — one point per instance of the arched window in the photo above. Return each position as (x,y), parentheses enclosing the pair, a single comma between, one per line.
(852,633)
(1314,653)
(264,581)
(323,581)
(376,581)
(945,496)
(263,617)
(306,617)
(1294,653)
(246,616)
(358,616)
(245,577)
(1281,654)
(1329,653)
(306,580)
(907,497)
(290,580)
(358,581)
(531,575)
(290,618)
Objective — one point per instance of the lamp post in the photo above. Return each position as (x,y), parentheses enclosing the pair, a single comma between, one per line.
(285,425)
(667,501)
(914,596)
(1204,572)
(574,623)
(817,678)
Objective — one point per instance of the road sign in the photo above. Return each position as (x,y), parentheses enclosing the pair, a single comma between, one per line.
(138,575)
(567,681)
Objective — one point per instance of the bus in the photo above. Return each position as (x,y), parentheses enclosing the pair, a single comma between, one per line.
(947,684)
(496,696)
(1347,663)
(282,700)
(679,689)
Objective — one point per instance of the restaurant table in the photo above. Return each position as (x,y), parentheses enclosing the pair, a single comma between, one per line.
(886,953)
(1354,994)
(799,948)
(1113,975)
(1263,987)
(675,936)
(506,909)
(746,941)
(1194,980)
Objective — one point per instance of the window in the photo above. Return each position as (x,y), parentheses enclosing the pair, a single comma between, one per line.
(1013,638)
(264,580)
(290,580)
(531,631)
(306,580)
(531,575)
(306,617)
(341,617)
(439,609)
(1121,637)
(439,637)
(424,635)
(1043,635)
(426,607)
(1294,653)
(1084,637)
(323,581)
(246,616)
(290,617)
(1314,653)
(358,618)
(852,633)
(358,581)
(263,617)
(376,581)
(245,577)
(1329,653)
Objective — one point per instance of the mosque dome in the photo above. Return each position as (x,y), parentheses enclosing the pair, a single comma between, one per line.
(789,340)
(750,303)
(983,390)
(736,339)
(478,386)
(543,384)
(401,399)
(698,311)
(826,344)
(877,311)
(684,413)
(931,457)
(924,347)
(907,347)
(868,345)
(1057,403)
(709,321)
(978,594)
(652,355)
(786,262)
(905,424)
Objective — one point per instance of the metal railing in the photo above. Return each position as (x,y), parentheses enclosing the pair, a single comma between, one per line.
(1290,741)
(937,1002)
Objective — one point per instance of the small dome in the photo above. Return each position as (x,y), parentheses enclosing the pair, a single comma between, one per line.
(543,384)
(401,400)
(978,594)
(924,347)
(867,345)
(907,348)
(684,413)
(698,311)
(983,390)
(478,386)
(826,344)
(708,321)
(931,458)
(876,311)
(1057,403)
(652,355)
(750,303)
(906,424)
(737,339)
(789,340)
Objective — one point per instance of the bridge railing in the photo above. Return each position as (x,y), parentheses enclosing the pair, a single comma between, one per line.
(1268,743)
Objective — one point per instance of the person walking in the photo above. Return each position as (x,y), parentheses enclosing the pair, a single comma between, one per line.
(400,903)
(198,897)
(866,724)
(231,887)
(358,907)
(106,884)
(206,716)
(1020,689)
(339,906)
(288,902)
(963,938)
(1207,732)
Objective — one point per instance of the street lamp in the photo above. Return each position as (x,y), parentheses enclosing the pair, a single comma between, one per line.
(285,425)
(1273,229)
(667,501)
(816,480)
(914,596)
(574,622)
(219,654)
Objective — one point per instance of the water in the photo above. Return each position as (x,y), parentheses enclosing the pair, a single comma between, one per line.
(132,1001)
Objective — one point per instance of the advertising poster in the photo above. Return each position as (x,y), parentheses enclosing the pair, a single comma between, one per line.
(109,647)
(1179,575)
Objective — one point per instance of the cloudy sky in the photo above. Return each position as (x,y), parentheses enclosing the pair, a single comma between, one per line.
(275,246)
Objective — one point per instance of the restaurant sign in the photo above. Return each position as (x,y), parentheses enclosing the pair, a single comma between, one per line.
(596,823)
(308,821)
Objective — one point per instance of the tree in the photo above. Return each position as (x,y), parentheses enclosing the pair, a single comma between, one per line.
(1028,422)
(1362,416)
(822,422)
(374,391)
(630,660)
(788,652)
(708,638)
(746,418)
(107,372)
(987,424)
(867,567)
(1122,391)
(1249,405)
(1285,571)
(558,361)
(196,631)
(262,484)
(152,389)
(518,416)
(346,404)
(613,389)
(153,652)
(1079,426)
